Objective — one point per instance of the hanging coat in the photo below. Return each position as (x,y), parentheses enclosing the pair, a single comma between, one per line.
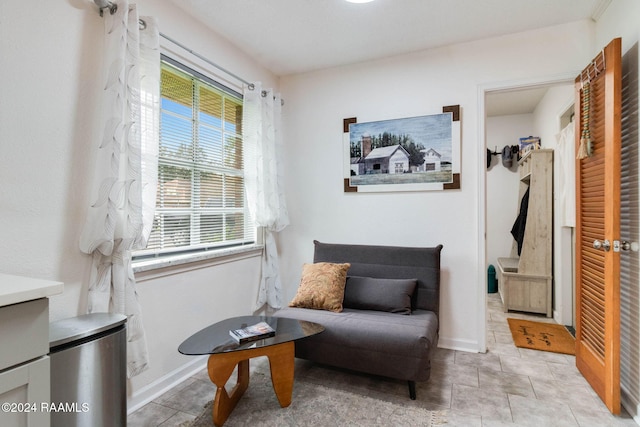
(517,231)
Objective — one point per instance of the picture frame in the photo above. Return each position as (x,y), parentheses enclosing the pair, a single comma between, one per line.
(419,153)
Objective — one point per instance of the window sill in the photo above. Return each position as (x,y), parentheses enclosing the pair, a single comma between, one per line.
(148,269)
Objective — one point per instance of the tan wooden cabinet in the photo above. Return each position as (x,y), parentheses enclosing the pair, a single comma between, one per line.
(525,280)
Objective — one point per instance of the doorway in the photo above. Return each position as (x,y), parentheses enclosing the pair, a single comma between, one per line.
(513,111)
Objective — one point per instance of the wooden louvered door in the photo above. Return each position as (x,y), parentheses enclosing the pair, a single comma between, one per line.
(598,227)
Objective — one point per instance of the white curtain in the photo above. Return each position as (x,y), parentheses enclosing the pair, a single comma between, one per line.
(125,172)
(264,182)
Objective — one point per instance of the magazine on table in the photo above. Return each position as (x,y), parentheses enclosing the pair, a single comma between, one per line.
(254,332)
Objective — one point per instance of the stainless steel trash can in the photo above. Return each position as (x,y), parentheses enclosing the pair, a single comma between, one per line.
(88,371)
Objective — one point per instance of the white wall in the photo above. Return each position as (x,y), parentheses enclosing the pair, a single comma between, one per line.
(51,78)
(503,184)
(48,93)
(403,86)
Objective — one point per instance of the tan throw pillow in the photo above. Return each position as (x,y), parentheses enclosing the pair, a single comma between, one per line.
(321,286)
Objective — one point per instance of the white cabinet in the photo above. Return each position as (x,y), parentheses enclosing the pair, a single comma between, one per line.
(23,390)
(525,279)
(24,344)
(24,332)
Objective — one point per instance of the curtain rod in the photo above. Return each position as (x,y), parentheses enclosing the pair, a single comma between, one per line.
(208,61)
(106,4)
(250,85)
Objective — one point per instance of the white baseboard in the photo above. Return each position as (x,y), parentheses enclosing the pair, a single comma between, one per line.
(456,344)
(149,392)
(631,404)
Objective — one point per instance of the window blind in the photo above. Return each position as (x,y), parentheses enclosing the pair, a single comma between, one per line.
(200,201)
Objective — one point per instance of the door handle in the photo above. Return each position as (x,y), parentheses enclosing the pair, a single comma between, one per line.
(628,246)
(606,245)
(618,245)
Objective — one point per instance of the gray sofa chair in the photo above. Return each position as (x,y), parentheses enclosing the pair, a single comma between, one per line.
(373,337)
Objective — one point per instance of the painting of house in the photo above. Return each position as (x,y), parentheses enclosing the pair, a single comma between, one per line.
(402,153)
(431,160)
(393,159)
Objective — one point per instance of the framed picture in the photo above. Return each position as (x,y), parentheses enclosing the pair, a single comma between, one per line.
(408,154)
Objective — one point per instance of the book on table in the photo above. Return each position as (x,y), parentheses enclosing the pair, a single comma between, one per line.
(254,332)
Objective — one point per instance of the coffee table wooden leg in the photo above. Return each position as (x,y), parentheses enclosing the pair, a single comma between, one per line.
(281,363)
(220,370)
(221,365)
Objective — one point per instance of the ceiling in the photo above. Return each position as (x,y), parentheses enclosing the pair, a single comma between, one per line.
(521,101)
(297,36)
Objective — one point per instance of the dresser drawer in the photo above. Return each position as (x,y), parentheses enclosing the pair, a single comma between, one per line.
(24,332)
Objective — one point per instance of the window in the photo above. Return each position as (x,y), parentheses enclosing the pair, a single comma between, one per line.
(200,202)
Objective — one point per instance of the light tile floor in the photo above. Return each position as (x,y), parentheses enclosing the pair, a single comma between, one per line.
(507,386)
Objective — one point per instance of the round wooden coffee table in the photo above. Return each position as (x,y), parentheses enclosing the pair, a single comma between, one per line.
(225,353)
